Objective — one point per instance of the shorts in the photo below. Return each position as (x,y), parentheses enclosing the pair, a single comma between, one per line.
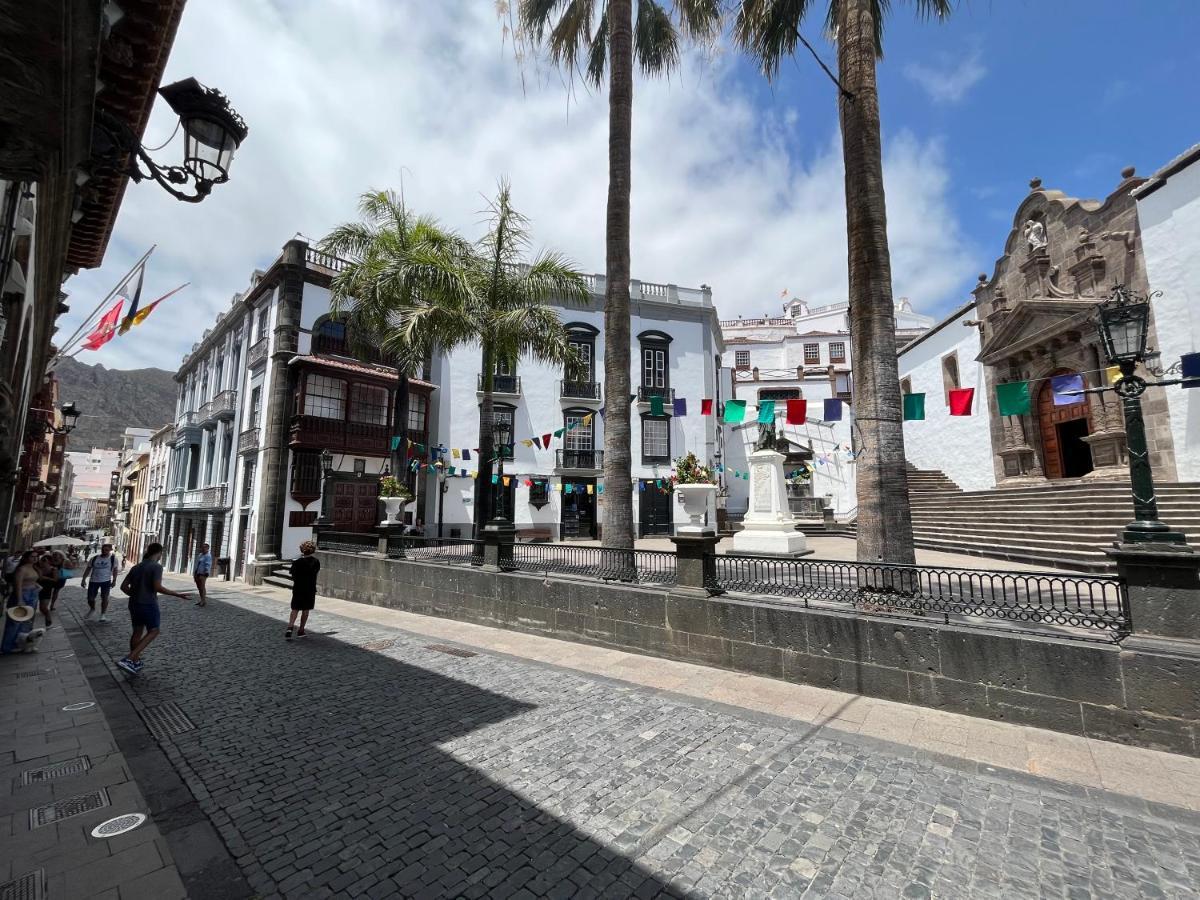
(144,615)
(60,584)
(103,588)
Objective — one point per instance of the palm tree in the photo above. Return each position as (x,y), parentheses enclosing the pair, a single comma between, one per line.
(499,299)
(770,31)
(588,36)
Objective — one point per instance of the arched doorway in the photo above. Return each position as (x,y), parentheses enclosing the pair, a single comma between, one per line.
(1065,453)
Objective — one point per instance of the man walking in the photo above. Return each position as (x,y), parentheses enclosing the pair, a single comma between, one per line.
(143,584)
(103,570)
(200,572)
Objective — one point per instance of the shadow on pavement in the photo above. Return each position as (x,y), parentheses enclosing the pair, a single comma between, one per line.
(319,763)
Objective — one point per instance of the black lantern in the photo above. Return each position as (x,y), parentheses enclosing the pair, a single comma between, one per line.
(212,131)
(1124,323)
(70,417)
(326,461)
(502,436)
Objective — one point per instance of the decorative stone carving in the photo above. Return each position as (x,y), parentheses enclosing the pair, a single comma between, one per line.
(1035,235)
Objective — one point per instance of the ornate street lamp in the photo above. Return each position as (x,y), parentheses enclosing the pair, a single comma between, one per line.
(502,438)
(326,471)
(70,418)
(1123,325)
(212,131)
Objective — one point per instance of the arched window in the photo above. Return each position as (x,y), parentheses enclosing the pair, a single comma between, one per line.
(950,373)
(330,336)
(906,386)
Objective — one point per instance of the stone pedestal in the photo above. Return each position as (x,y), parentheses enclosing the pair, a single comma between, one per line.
(694,563)
(498,537)
(769,528)
(1164,589)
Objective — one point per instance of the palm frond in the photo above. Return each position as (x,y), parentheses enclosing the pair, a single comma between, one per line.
(598,52)
(769,30)
(699,20)
(655,41)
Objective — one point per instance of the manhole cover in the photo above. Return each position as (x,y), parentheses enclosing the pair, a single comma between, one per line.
(65,809)
(75,766)
(379,645)
(79,707)
(26,887)
(166,719)
(119,825)
(451,651)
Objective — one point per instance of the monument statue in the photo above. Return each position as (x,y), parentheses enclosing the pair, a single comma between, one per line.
(1035,235)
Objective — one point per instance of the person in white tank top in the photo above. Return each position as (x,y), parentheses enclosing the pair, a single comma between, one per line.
(103,570)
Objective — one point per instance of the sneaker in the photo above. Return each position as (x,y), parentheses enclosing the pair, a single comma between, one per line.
(103,617)
(91,612)
(128,665)
(138,666)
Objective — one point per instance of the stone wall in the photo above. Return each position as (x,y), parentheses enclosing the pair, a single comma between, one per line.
(1149,696)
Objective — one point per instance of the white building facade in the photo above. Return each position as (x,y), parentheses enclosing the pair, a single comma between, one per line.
(555,492)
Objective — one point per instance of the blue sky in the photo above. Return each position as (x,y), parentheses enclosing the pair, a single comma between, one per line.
(737,183)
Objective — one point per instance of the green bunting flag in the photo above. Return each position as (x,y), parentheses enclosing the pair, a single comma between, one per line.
(766,412)
(735,411)
(914,407)
(656,405)
(1013,398)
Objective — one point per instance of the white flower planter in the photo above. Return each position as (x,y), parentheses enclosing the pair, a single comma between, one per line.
(393,505)
(695,499)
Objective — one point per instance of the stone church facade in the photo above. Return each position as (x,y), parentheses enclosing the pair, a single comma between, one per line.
(1037,313)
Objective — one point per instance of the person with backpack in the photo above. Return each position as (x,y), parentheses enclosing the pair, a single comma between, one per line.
(103,569)
(143,584)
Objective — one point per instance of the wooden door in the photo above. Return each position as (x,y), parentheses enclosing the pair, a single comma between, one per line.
(654,509)
(1049,418)
(355,504)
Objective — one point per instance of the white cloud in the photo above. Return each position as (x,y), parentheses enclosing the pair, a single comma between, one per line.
(358,97)
(950,81)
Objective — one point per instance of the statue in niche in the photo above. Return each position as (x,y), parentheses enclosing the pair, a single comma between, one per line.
(1035,235)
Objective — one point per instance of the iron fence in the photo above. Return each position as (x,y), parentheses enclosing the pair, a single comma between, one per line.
(605,563)
(1095,605)
(441,550)
(347,541)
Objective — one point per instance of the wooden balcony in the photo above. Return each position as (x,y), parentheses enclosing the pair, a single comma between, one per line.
(314,432)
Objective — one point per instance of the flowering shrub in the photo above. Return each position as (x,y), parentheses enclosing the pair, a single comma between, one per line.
(689,471)
(391,486)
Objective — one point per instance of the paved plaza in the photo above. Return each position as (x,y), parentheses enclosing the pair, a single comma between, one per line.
(393,755)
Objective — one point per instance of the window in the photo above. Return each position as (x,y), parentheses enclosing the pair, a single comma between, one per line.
(950,374)
(654,367)
(255,406)
(539,493)
(260,330)
(330,337)
(218,383)
(741,359)
(369,404)
(837,351)
(581,436)
(505,414)
(906,386)
(656,439)
(248,483)
(780,394)
(582,373)
(812,354)
(306,474)
(324,397)
(418,409)
(505,367)
(843,386)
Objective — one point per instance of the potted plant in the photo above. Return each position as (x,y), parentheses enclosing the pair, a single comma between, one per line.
(395,494)
(695,484)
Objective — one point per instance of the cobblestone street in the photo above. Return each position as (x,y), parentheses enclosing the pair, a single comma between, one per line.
(363,762)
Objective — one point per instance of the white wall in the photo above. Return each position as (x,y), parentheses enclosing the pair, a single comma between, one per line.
(1170,221)
(960,446)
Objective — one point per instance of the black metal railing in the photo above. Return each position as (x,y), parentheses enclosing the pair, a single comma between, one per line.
(503,384)
(645,393)
(605,563)
(455,551)
(257,352)
(579,459)
(1092,605)
(347,541)
(581,390)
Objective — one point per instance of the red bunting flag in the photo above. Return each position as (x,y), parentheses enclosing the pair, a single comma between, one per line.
(546,440)
(960,401)
(706,407)
(797,412)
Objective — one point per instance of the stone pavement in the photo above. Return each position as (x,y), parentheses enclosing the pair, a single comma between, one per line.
(51,757)
(367,761)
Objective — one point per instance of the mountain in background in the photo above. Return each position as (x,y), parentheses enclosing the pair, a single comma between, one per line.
(111,400)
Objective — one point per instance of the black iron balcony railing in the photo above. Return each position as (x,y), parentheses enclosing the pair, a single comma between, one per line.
(579,459)
(645,393)
(224,404)
(503,384)
(257,352)
(581,390)
(248,440)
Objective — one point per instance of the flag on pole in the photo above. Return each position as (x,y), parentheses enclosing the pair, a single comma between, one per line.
(766,412)
(914,407)
(735,411)
(706,407)
(961,400)
(1064,387)
(1012,399)
(124,293)
(143,314)
(797,412)
(833,410)
(106,328)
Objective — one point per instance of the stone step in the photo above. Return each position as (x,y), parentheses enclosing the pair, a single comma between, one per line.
(983,537)
(277,581)
(1081,561)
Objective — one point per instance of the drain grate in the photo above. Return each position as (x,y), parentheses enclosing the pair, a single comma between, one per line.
(119,825)
(166,719)
(69,767)
(27,887)
(451,651)
(386,644)
(79,707)
(65,809)
(37,673)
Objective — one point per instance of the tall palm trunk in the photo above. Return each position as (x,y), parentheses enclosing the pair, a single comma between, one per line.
(884,518)
(618,484)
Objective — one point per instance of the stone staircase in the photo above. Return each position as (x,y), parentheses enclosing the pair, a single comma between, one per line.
(281,576)
(1066,524)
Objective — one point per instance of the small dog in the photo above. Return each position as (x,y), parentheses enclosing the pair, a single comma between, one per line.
(30,642)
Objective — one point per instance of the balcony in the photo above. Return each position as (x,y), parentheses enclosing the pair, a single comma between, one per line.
(580,390)
(645,393)
(257,352)
(187,429)
(222,406)
(248,440)
(509,385)
(196,498)
(588,460)
(340,436)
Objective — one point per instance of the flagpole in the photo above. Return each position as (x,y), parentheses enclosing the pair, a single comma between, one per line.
(89,321)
